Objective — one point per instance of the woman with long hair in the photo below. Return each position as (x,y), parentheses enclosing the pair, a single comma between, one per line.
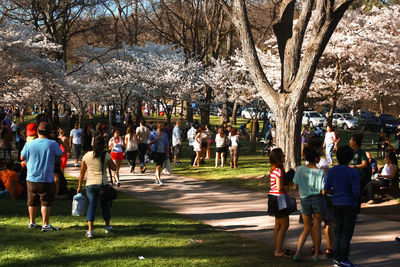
(87,139)
(64,147)
(278,187)
(197,148)
(220,143)
(131,150)
(234,148)
(95,163)
(389,172)
(116,145)
(160,147)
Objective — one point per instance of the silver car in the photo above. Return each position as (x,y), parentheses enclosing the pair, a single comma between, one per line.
(345,120)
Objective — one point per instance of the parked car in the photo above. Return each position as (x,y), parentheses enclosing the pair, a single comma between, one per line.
(312,118)
(249,113)
(387,123)
(344,120)
(367,121)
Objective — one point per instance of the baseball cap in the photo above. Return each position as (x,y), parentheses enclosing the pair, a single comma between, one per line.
(31,129)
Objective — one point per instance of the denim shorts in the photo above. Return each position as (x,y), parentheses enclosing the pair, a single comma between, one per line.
(313,204)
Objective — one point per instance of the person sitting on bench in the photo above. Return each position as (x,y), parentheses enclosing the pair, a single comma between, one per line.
(389,172)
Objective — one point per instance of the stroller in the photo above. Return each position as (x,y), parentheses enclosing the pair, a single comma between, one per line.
(268,144)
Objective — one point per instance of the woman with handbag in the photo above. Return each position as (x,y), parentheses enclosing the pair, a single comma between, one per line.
(95,163)
(116,145)
(310,180)
(279,188)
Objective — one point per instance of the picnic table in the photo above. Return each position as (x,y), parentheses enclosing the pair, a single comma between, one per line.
(374,146)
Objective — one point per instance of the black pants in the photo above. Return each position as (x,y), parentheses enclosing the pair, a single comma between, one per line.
(192,156)
(344,218)
(363,186)
(372,185)
(131,158)
(142,152)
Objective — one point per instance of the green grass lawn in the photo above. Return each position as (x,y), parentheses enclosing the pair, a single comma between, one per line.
(140,229)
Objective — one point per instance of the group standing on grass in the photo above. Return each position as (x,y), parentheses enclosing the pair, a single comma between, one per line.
(330,195)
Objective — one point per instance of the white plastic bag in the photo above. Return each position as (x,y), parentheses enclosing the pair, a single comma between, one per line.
(167,167)
(78,205)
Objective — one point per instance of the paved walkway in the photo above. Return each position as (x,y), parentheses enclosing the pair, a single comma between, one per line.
(243,212)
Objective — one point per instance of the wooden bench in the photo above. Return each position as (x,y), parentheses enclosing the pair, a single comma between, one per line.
(392,189)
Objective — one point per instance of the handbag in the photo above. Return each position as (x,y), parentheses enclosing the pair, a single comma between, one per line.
(287,202)
(107,191)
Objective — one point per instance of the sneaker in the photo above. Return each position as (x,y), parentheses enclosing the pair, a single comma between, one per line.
(131,169)
(156,182)
(89,234)
(143,170)
(336,263)
(347,264)
(160,183)
(33,226)
(108,229)
(49,227)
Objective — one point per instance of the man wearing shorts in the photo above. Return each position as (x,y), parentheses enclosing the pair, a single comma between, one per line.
(177,141)
(40,155)
(75,142)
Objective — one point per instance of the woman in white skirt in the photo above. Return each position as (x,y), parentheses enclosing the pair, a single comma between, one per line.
(197,148)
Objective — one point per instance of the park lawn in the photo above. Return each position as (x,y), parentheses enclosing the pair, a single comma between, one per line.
(140,229)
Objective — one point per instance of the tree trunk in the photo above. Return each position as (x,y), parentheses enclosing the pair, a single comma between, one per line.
(205,107)
(50,111)
(56,118)
(253,140)
(225,113)
(381,104)
(235,106)
(181,113)
(189,111)
(81,112)
(139,114)
(288,134)
(109,114)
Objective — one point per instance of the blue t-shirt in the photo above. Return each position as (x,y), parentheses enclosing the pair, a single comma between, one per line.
(161,145)
(40,155)
(310,181)
(345,183)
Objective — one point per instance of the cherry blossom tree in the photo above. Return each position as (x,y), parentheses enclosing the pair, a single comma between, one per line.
(298,60)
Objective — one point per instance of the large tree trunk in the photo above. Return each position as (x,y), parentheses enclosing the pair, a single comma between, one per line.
(288,135)
(233,119)
(297,68)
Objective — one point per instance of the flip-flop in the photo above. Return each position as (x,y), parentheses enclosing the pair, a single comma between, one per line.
(284,255)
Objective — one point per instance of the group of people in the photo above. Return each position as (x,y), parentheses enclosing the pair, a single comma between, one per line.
(328,193)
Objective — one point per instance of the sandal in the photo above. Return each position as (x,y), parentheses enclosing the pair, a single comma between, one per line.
(284,255)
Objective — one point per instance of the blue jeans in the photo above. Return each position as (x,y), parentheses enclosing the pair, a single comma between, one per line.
(344,218)
(329,150)
(92,192)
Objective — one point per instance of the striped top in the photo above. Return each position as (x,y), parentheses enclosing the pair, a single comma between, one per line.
(275,174)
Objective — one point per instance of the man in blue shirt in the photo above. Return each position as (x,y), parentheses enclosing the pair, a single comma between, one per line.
(345,184)
(40,155)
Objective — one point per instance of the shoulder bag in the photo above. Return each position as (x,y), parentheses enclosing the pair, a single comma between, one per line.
(107,191)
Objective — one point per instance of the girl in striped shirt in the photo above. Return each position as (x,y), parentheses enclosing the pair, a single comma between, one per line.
(278,187)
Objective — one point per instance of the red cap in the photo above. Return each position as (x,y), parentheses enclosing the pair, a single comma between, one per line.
(31,129)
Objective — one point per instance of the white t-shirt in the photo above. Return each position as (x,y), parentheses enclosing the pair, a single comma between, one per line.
(330,138)
(219,141)
(14,127)
(234,140)
(132,144)
(76,136)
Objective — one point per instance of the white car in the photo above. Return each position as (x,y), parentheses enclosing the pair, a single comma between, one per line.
(312,119)
(344,120)
(249,113)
